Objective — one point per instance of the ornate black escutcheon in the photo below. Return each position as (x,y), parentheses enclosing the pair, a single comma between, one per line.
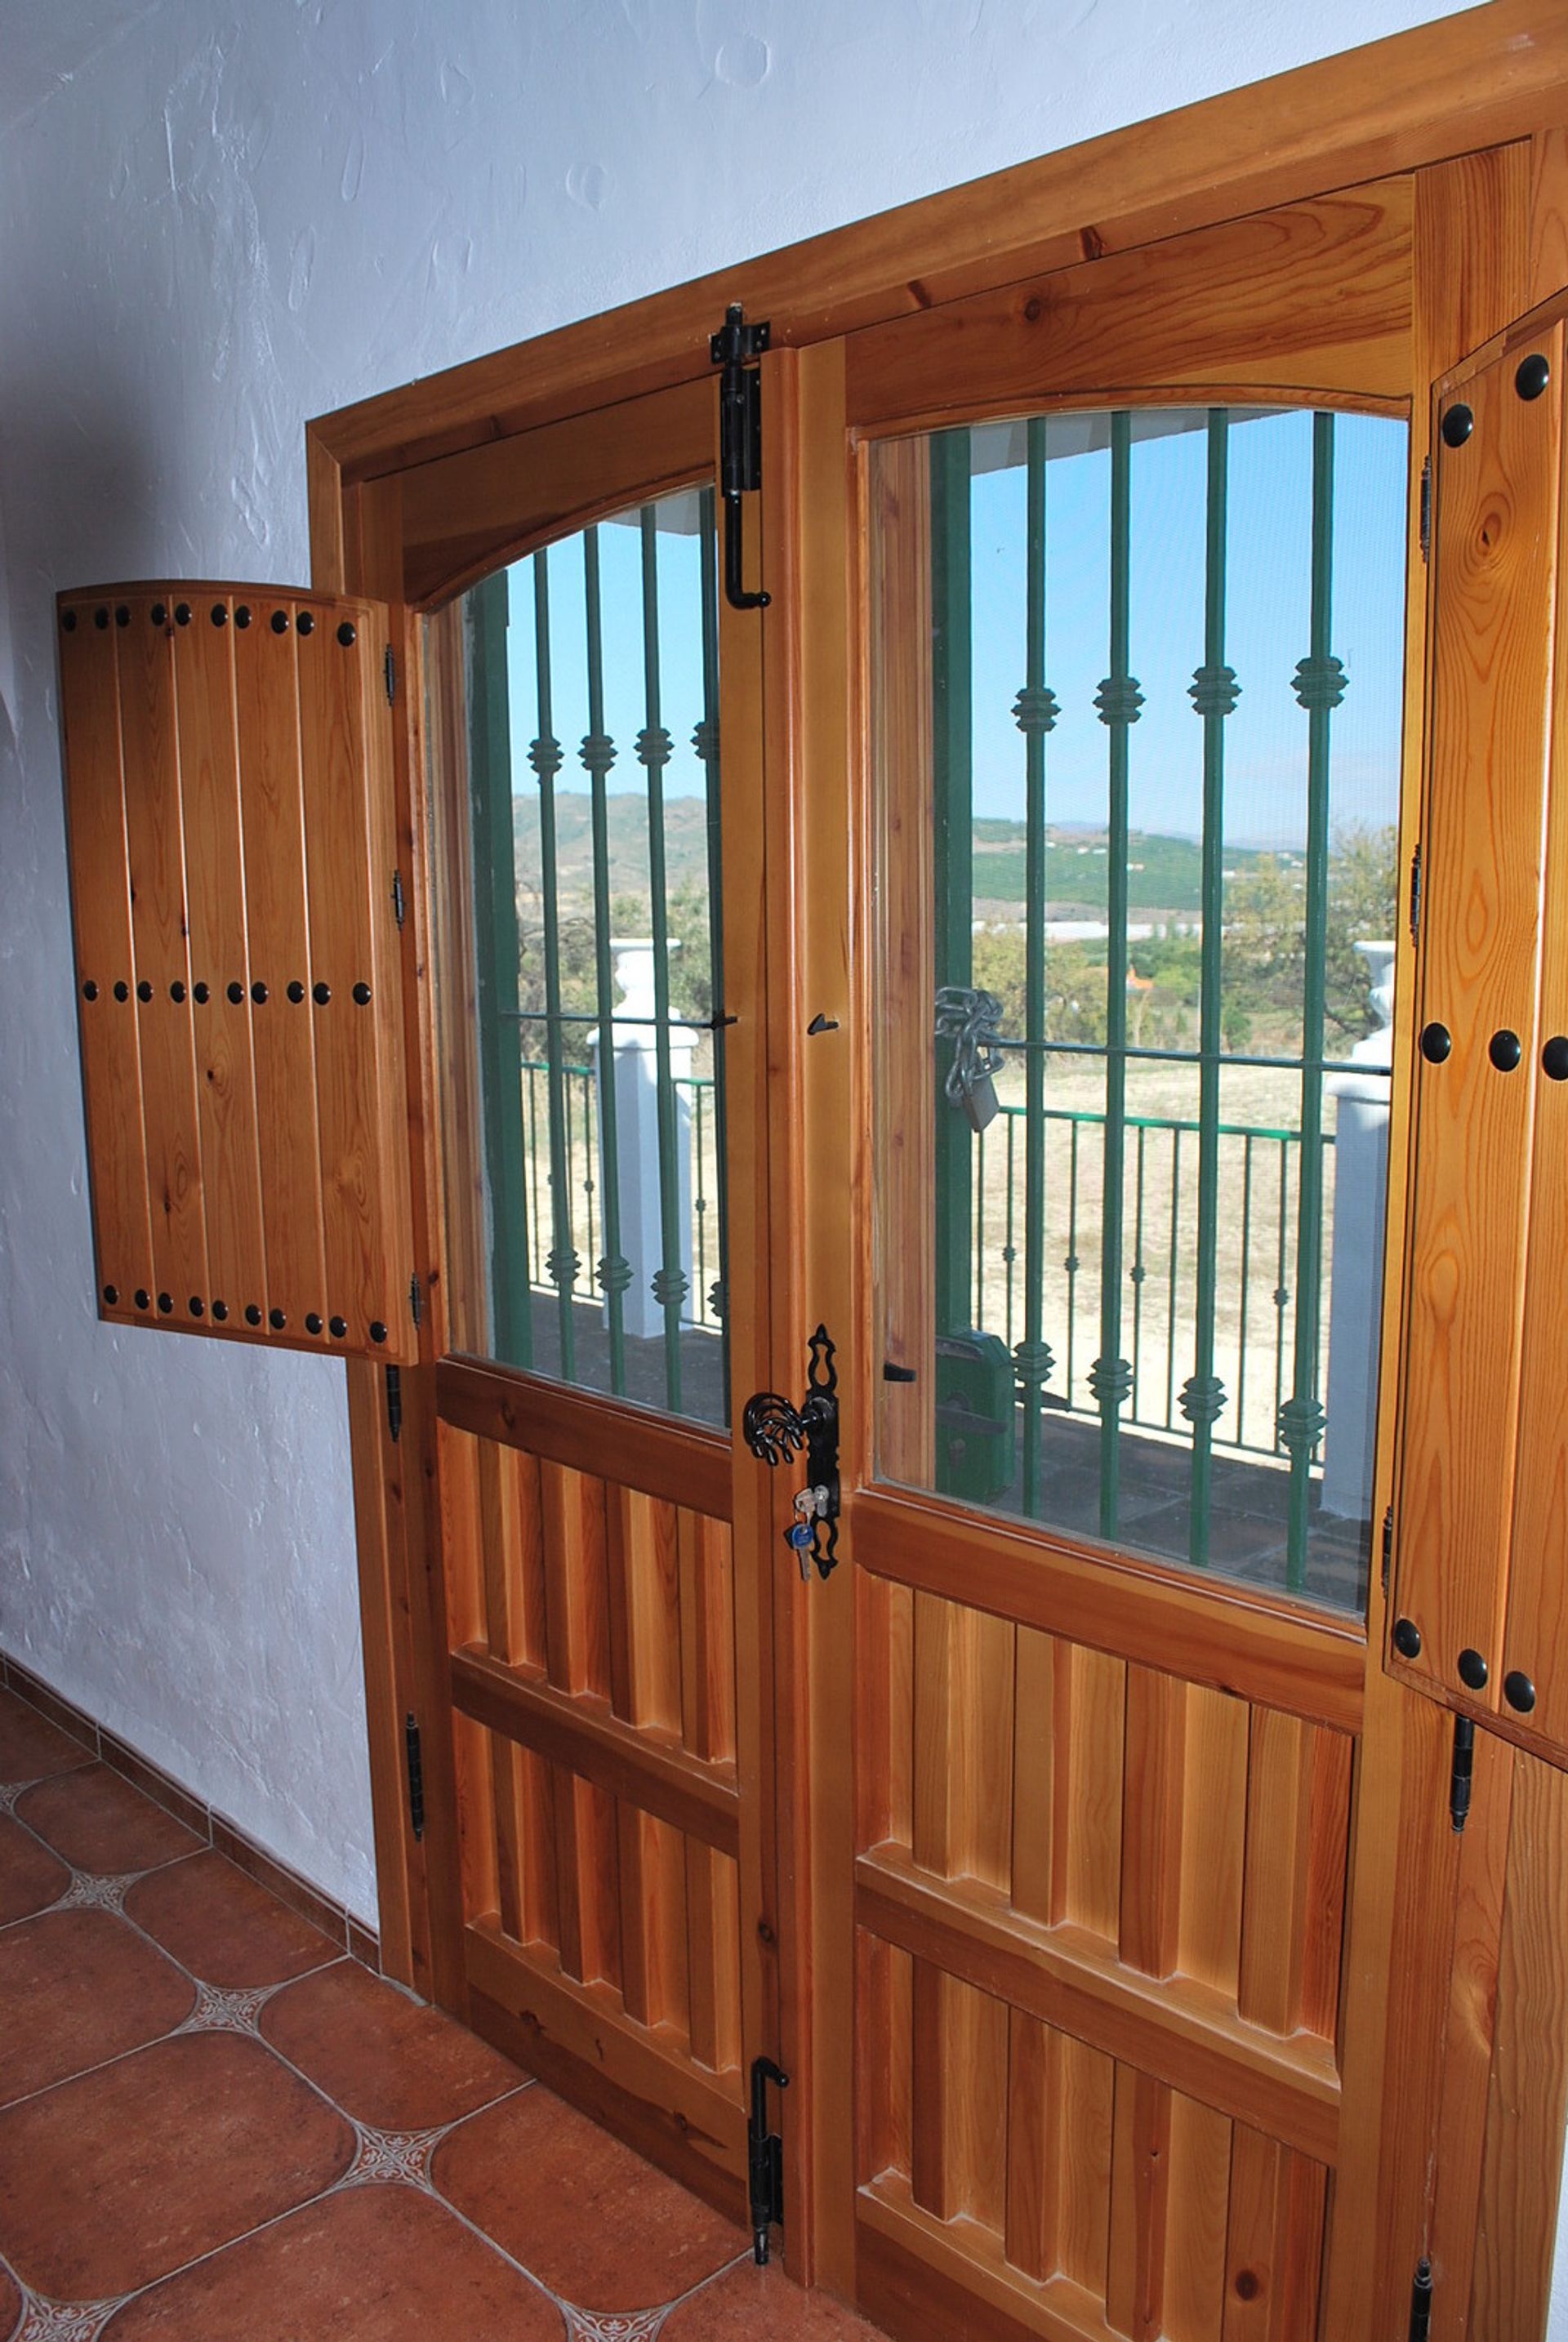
(773,1429)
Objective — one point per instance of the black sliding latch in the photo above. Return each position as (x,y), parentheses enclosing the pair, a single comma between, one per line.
(1421,2301)
(393,1403)
(764,2157)
(1464,1766)
(773,1429)
(735,347)
(415,1775)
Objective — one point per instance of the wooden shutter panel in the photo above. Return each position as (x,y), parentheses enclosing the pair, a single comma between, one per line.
(229,805)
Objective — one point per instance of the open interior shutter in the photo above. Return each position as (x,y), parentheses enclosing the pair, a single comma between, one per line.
(229,795)
(1478,1609)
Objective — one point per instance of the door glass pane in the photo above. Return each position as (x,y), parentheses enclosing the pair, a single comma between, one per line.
(573,733)
(1136,701)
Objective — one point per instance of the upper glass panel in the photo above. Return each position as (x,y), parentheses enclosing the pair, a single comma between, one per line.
(574,765)
(1137,685)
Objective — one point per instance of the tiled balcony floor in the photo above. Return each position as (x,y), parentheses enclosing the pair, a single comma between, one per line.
(213,2125)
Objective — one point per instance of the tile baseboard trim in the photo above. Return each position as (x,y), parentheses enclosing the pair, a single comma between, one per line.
(360,1942)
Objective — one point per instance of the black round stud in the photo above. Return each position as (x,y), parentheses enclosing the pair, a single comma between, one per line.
(361,996)
(337,1327)
(68,620)
(242,615)
(159,614)
(197,1306)
(346,634)
(176,991)
(313,1321)
(220,614)
(182,613)
(166,1305)
(253,1314)
(1554,1058)
(305,623)
(121,614)
(321,993)
(1472,1670)
(110,1295)
(122,990)
(1505,1050)
(1407,1638)
(1533,376)
(276,1320)
(142,1297)
(236,992)
(377,1330)
(143,990)
(1436,1042)
(221,1311)
(89,990)
(296,992)
(202,994)
(1517,1688)
(101,620)
(280,622)
(1457,424)
(258,994)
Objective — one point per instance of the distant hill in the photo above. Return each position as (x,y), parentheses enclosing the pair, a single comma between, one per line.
(626,819)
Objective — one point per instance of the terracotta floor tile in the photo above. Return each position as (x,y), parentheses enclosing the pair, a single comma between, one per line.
(76,1987)
(371,2265)
(762,2302)
(31,1748)
(30,1877)
(101,1824)
(10,2304)
(384,2058)
(223,1926)
(116,2179)
(585,2215)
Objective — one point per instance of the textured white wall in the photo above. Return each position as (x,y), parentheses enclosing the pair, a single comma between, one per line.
(218,221)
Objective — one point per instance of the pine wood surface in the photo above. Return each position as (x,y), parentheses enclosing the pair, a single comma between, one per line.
(662,1457)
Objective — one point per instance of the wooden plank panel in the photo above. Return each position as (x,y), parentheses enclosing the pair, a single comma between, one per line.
(1307,1665)
(155,839)
(958,2099)
(348,886)
(642,1551)
(1178,2030)
(215,891)
(713,1956)
(510,1542)
(651,1894)
(576,1599)
(1316,293)
(1067,1785)
(581,1732)
(277,951)
(962,1742)
(707,1655)
(1495,543)
(885,2058)
(1154,1788)
(1060,2123)
(885,1727)
(1210,1928)
(481,1833)
(105,966)
(1194,2272)
(1140,2203)
(579,1429)
(1274,2247)
(925,2280)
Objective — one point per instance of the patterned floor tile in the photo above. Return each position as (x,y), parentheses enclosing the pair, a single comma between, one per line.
(763,2303)
(97,1822)
(31,1748)
(226,1927)
(31,1877)
(76,1987)
(587,2215)
(121,2177)
(367,2265)
(384,2058)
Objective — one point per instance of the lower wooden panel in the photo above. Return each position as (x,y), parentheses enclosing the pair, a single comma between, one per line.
(636,2079)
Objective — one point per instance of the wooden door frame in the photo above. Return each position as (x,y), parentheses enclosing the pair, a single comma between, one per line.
(1489,78)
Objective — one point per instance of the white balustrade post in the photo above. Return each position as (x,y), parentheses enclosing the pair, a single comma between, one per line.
(634,1047)
(1361,1094)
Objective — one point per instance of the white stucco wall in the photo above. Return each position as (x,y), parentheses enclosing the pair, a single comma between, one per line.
(218,221)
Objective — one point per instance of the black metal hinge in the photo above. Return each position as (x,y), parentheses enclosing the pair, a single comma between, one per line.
(1425,507)
(415,1299)
(764,2155)
(1387,1546)
(395,1403)
(1415,894)
(389,674)
(1463,1766)
(735,347)
(1421,2301)
(415,1775)
(398,906)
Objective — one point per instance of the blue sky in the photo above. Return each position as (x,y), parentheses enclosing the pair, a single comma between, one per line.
(1268,593)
